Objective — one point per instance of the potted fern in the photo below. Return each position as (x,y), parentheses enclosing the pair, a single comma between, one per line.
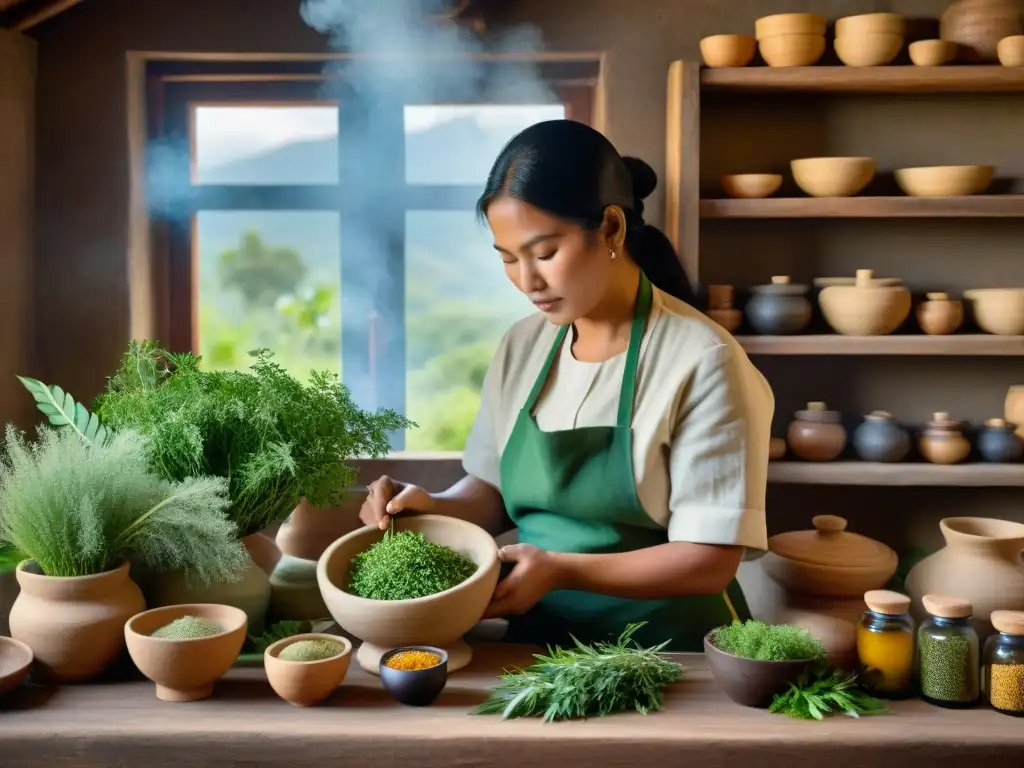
(277,440)
(81,510)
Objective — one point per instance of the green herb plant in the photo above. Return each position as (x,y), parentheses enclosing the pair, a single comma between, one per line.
(404,565)
(768,642)
(77,508)
(586,680)
(278,631)
(826,692)
(274,438)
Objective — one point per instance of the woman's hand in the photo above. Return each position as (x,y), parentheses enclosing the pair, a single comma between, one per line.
(388,497)
(535,573)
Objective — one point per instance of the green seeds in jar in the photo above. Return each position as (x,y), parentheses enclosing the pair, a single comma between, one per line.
(947,648)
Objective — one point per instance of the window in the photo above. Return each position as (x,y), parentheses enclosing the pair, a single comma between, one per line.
(340,237)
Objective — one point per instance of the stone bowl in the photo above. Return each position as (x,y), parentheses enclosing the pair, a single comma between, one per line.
(15,663)
(750,682)
(438,620)
(415,687)
(305,683)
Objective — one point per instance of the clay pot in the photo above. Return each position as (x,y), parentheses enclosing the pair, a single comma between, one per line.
(779,308)
(880,438)
(305,683)
(978,26)
(865,308)
(1013,408)
(727,50)
(839,636)
(981,562)
(720,307)
(943,441)
(438,620)
(939,315)
(294,593)
(8,594)
(74,625)
(15,663)
(309,531)
(816,434)
(999,311)
(999,443)
(750,682)
(828,561)
(776,448)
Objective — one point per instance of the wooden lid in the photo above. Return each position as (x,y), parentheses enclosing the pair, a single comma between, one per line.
(946,607)
(937,296)
(1010,622)
(831,544)
(887,602)
(817,411)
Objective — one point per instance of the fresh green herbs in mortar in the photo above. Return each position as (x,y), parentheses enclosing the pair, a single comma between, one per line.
(585,681)
(768,642)
(825,693)
(404,565)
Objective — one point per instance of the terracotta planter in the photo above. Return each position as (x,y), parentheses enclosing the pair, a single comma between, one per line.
(981,562)
(74,625)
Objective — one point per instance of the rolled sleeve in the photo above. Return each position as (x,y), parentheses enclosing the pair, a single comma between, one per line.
(718,460)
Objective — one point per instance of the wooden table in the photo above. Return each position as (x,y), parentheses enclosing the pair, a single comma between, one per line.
(123,724)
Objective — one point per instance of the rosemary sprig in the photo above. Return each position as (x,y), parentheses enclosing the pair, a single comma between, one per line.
(584,681)
(816,696)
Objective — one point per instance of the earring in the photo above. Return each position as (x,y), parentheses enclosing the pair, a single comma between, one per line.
(611,252)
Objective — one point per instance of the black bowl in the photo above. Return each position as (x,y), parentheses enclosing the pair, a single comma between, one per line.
(415,687)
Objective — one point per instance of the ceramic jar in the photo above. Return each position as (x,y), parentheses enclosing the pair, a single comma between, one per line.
(779,308)
(981,562)
(869,307)
(74,625)
(943,441)
(880,438)
(939,315)
(720,309)
(816,434)
(998,442)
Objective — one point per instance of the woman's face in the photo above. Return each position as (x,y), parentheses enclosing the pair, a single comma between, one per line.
(561,267)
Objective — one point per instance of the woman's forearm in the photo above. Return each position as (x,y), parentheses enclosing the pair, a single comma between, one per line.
(675,569)
(475,501)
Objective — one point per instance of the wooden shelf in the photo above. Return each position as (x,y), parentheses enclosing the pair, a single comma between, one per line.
(909,79)
(957,345)
(899,474)
(978,206)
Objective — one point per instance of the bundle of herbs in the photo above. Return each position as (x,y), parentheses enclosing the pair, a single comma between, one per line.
(821,692)
(586,680)
(274,438)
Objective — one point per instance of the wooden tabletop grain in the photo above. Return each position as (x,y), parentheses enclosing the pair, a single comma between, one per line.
(115,724)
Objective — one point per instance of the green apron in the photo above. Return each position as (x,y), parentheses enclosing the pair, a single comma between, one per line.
(574,491)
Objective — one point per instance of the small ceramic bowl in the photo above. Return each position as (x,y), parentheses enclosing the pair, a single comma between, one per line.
(750,682)
(305,683)
(15,663)
(415,687)
(185,670)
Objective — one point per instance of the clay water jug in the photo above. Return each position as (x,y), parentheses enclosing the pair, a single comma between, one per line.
(981,562)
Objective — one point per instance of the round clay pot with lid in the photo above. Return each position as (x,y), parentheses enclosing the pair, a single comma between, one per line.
(816,434)
(880,438)
(866,308)
(829,561)
(779,308)
(939,315)
(720,308)
(998,442)
(943,441)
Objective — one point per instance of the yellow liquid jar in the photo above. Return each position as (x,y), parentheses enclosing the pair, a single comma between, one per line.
(885,644)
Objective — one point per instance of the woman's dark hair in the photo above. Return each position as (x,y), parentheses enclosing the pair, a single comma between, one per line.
(572,171)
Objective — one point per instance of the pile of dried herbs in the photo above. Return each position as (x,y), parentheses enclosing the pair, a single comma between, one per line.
(586,680)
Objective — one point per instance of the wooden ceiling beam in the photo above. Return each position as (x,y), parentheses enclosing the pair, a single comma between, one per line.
(22,15)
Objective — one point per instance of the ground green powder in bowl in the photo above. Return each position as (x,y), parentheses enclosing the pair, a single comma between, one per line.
(187,628)
(310,650)
(405,565)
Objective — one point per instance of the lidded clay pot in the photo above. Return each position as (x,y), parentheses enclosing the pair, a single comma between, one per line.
(998,442)
(779,308)
(939,315)
(828,561)
(869,307)
(720,308)
(943,440)
(880,438)
(816,434)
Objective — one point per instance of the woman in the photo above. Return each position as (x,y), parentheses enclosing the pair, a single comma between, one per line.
(622,432)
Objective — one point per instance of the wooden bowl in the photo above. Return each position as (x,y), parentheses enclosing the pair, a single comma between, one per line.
(437,620)
(728,50)
(999,311)
(832,176)
(869,49)
(945,180)
(864,308)
(751,185)
(185,670)
(790,24)
(870,23)
(1011,51)
(15,663)
(932,53)
(305,683)
(791,50)
(749,682)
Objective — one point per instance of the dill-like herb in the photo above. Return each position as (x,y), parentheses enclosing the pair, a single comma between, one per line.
(278,631)
(585,680)
(768,642)
(404,565)
(817,695)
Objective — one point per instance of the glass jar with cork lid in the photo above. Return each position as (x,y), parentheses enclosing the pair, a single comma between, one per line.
(885,644)
(947,653)
(1004,663)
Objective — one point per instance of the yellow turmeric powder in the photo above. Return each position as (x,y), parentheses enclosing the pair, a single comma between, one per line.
(408,661)
(887,658)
